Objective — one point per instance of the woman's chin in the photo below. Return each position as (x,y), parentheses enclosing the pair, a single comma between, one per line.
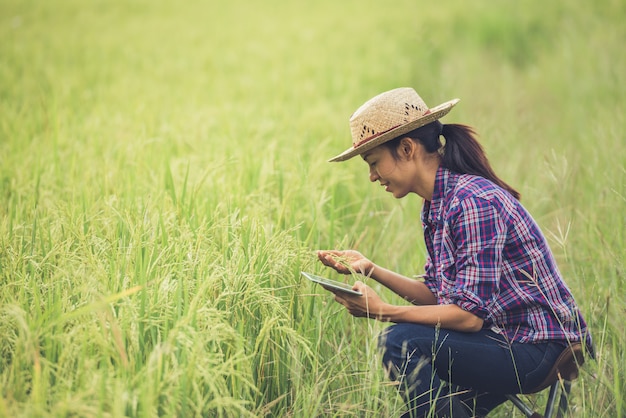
(398,195)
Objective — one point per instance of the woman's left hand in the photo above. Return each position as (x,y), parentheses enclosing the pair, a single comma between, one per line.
(368,305)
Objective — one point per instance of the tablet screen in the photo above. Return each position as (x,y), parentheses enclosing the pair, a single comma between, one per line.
(342,287)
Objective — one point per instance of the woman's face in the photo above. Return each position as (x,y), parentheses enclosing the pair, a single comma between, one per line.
(394,175)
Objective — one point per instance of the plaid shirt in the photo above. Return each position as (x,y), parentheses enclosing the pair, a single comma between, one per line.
(487,255)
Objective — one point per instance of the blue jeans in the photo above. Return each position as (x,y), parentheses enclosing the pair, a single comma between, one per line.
(474,370)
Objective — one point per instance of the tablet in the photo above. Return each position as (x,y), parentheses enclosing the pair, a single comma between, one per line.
(335,285)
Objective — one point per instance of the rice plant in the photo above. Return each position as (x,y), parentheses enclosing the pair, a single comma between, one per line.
(163,181)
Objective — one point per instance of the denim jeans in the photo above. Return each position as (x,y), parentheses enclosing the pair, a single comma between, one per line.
(478,369)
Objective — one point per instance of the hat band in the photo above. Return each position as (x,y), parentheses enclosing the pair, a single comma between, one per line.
(369,138)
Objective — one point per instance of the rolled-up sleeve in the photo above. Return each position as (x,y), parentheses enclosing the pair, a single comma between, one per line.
(430,277)
(477,235)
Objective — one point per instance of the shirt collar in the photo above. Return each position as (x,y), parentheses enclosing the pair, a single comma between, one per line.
(443,181)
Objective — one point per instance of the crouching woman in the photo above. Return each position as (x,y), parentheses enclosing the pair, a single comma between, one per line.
(492,313)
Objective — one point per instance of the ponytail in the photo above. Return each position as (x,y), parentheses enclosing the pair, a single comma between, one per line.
(463,154)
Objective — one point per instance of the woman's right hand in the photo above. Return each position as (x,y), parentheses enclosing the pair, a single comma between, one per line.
(346,261)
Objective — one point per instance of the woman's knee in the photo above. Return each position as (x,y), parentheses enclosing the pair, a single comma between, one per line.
(401,343)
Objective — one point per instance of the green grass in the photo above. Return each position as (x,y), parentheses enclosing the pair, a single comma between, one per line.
(163,179)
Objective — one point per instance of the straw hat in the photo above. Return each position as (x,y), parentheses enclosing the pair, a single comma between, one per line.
(387,116)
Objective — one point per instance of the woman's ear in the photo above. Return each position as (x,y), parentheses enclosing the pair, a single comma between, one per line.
(407,148)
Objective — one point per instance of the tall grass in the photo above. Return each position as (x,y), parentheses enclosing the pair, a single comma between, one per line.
(163,181)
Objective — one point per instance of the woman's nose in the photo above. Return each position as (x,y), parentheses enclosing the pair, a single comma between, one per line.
(373,175)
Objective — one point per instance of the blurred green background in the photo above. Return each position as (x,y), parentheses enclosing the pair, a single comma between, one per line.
(163,179)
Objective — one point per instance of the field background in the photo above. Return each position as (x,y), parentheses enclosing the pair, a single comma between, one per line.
(163,179)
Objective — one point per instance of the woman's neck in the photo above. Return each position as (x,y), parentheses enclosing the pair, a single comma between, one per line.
(425,177)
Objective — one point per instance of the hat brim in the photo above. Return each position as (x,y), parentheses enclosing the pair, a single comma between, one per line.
(436,112)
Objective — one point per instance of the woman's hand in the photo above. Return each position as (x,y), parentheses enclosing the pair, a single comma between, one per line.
(368,305)
(346,262)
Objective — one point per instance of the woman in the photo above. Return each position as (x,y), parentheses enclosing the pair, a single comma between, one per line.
(492,313)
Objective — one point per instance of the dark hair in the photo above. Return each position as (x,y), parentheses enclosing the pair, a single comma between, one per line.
(462,153)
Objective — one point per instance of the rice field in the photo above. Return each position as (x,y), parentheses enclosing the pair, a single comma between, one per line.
(163,181)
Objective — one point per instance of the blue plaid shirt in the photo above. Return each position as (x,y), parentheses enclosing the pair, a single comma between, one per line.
(487,255)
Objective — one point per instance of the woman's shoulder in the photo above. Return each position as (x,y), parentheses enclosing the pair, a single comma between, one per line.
(470,186)
(474,191)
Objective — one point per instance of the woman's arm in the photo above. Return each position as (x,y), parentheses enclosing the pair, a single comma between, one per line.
(348,261)
(411,290)
(445,316)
